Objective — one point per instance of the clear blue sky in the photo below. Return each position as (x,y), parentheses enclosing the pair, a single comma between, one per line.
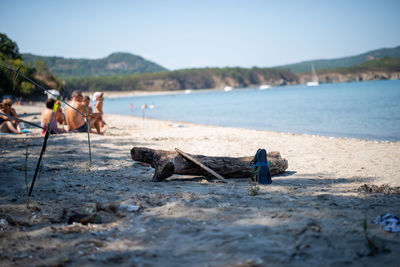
(199,33)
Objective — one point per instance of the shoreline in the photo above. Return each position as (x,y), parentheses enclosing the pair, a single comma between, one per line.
(347,128)
(117,94)
(264,130)
(121,94)
(246,141)
(37,107)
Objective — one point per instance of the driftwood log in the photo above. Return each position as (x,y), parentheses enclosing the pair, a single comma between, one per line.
(166,163)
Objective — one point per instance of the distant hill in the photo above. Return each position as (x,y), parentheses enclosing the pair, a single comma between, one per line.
(377,69)
(323,64)
(386,64)
(114,64)
(205,78)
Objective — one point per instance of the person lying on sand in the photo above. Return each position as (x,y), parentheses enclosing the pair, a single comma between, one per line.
(76,121)
(8,125)
(46,118)
(98,96)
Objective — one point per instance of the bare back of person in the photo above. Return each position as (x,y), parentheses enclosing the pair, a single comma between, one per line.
(99,106)
(73,118)
(46,116)
(47,113)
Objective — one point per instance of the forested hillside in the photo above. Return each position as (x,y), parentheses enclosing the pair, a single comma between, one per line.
(386,64)
(186,79)
(218,78)
(378,69)
(13,85)
(114,64)
(342,62)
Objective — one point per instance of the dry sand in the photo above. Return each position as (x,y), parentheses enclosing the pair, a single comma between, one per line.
(311,215)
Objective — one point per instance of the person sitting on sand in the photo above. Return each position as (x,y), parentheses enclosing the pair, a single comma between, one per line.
(76,121)
(46,118)
(8,125)
(86,100)
(91,114)
(98,96)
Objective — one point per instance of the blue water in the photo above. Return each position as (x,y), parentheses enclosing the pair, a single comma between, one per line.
(366,110)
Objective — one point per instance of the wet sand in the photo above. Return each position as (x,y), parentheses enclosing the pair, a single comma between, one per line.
(313,214)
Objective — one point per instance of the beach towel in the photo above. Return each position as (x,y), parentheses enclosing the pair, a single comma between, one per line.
(389,222)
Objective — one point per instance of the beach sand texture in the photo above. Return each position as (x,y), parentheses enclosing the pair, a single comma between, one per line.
(311,215)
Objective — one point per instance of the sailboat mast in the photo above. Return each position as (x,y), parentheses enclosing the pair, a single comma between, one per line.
(314,75)
(314,81)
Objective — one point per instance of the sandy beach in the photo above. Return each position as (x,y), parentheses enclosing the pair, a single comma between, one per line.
(313,214)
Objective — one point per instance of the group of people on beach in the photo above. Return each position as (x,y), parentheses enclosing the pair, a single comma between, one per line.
(76,122)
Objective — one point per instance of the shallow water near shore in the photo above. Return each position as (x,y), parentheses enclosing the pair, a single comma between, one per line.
(365,110)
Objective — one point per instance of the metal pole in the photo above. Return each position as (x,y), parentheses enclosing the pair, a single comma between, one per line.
(41,154)
(38,85)
(88,136)
(24,121)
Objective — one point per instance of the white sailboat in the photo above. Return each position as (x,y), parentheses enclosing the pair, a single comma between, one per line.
(264,87)
(228,88)
(314,81)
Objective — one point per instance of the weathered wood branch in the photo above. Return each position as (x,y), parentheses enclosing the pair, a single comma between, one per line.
(201,165)
(166,163)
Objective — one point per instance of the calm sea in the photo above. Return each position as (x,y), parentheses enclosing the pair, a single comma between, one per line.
(366,110)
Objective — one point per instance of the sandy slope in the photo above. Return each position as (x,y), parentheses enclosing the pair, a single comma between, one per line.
(311,215)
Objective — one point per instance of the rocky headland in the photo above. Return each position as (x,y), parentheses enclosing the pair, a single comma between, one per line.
(337,77)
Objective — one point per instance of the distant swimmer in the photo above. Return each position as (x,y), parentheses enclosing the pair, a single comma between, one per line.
(152,106)
(143,107)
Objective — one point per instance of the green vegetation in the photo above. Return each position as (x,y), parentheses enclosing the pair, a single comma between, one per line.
(114,64)
(182,79)
(9,55)
(324,64)
(385,64)
(214,77)
(253,185)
